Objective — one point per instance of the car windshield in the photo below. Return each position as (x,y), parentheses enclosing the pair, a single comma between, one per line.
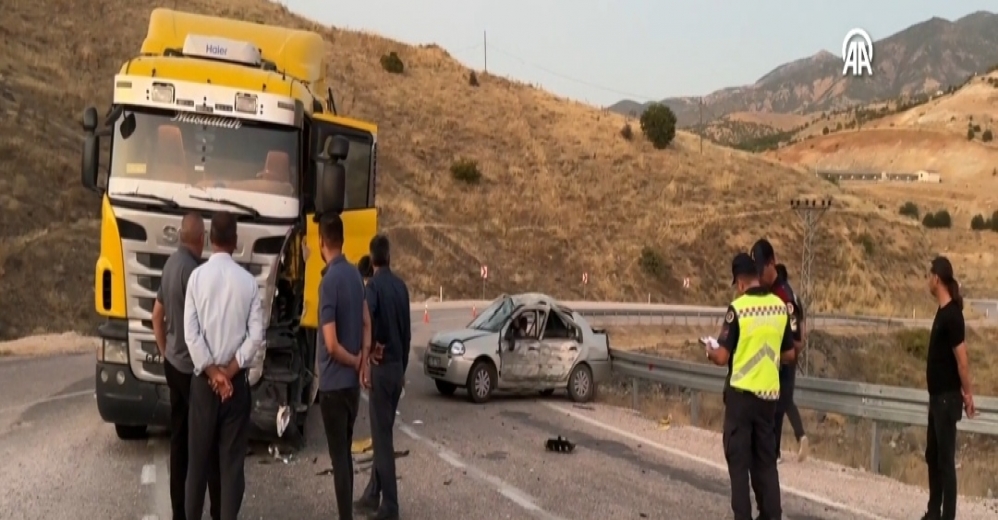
(494,316)
(205,151)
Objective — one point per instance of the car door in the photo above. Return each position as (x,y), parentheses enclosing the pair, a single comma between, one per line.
(519,349)
(560,348)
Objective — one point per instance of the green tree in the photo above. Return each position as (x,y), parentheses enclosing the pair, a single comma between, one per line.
(978,223)
(824,131)
(626,132)
(392,63)
(909,209)
(986,136)
(658,123)
(466,171)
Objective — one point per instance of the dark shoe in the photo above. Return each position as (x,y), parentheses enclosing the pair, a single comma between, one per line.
(365,506)
(930,516)
(384,515)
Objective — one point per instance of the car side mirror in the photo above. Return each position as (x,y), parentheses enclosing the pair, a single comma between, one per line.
(90,162)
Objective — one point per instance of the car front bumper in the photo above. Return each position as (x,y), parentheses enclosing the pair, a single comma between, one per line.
(443,367)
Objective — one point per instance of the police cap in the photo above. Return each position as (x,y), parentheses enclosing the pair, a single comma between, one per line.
(743,265)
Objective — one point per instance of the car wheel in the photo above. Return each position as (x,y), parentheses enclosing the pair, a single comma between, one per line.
(581,387)
(445,388)
(547,392)
(481,381)
(129,433)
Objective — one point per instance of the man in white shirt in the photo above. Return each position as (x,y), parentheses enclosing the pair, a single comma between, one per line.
(223,327)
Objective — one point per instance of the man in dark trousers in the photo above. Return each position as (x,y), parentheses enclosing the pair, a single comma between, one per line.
(223,326)
(754,338)
(947,374)
(343,345)
(764,254)
(787,405)
(388,302)
(168,327)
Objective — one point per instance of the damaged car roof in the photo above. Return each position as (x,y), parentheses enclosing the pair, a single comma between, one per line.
(534,298)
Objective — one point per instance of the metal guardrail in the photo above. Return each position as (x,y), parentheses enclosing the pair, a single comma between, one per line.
(878,403)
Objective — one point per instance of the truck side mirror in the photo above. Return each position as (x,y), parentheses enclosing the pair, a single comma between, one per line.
(91,150)
(331,176)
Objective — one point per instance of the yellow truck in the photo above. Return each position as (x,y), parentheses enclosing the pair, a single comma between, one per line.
(221,115)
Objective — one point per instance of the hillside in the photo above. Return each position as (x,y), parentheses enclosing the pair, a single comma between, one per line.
(563,193)
(923,58)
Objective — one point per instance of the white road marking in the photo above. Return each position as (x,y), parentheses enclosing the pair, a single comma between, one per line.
(46,400)
(514,494)
(706,462)
(148,474)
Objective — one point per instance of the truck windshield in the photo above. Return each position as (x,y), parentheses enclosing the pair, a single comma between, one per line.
(205,151)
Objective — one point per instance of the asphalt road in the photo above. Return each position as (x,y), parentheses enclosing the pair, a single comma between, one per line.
(59,461)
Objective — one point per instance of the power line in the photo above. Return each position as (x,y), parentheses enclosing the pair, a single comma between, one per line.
(570,78)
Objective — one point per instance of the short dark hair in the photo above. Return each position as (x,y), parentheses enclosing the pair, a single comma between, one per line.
(380,251)
(365,267)
(223,229)
(781,272)
(331,229)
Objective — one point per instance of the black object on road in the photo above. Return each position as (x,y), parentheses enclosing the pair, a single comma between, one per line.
(560,445)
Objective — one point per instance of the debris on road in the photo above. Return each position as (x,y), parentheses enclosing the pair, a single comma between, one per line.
(275,451)
(361,446)
(560,445)
(665,423)
(585,407)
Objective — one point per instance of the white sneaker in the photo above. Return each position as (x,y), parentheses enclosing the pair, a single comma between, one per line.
(803,448)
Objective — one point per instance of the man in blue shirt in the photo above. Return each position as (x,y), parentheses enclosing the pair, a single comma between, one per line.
(388,302)
(343,342)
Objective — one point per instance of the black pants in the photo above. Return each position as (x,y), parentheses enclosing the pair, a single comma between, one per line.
(786,406)
(218,431)
(383,400)
(945,410)
(180,400)
(339,413)
(750,451)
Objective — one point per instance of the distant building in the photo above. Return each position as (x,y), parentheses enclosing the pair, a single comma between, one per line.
(929,176)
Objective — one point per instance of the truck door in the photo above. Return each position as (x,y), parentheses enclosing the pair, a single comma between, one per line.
(360,216)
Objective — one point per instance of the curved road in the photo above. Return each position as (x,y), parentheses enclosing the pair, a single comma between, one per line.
(59,461)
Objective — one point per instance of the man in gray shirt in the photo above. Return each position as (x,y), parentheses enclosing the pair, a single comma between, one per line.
(343,344)
(168,327)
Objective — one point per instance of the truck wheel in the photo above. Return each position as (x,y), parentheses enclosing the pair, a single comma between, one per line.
(581,387)
(445,388)
(481,382)
(130,433)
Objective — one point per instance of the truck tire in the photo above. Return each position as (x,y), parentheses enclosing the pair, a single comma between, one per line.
(445,388)
(130,433)
(481,381)
(581,387)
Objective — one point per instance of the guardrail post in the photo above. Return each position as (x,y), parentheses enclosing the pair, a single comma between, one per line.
(694,408)
(875,448)
(634,393)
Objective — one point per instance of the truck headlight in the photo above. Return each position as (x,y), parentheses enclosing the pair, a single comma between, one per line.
(161,93)
(246,103)
(113,351)
(457,348)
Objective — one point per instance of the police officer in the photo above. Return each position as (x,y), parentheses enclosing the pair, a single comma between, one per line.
(776,279)
(754,324)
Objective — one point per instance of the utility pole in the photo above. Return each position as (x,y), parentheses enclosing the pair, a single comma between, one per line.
(810,210)
(701,125)
(485,47)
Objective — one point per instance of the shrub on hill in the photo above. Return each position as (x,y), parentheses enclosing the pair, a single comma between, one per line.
(987,136)
(466,171)
(938,220)
(473,79)
(652,264)
(978,223)
(658,123)
(909,209)
(392,63)
(627,132)
(970,134)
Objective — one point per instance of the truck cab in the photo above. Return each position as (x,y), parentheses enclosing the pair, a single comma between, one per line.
(211,115)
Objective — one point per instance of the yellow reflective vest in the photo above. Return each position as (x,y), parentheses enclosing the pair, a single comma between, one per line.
(755,368)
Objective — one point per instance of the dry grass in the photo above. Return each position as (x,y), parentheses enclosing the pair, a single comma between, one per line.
(873,356)
(562,193)
(49,344)
(777,121)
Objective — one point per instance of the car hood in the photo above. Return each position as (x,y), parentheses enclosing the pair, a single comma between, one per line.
(445,338)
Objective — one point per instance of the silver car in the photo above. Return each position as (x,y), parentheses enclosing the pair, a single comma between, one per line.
(526,342)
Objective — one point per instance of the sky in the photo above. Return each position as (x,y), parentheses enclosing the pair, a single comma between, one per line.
(602,51)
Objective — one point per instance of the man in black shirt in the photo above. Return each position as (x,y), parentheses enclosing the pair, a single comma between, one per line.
(388,301)
(947,376)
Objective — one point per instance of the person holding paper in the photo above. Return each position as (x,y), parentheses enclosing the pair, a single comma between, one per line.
(755,337)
